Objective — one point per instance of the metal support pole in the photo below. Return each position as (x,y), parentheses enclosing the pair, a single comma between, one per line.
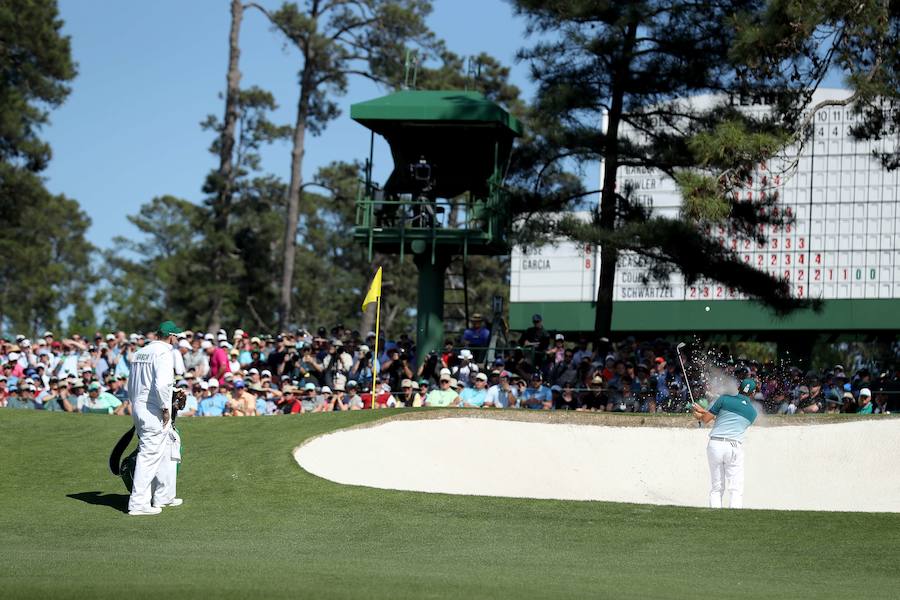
(430,316)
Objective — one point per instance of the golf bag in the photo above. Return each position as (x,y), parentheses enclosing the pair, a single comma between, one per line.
(124,467)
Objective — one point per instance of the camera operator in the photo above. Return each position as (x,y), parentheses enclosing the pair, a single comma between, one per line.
(430,368)
(361,372)
(396,367)
(308,365)
(336,364)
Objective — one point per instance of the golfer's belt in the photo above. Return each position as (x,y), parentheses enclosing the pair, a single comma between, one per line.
(725,439)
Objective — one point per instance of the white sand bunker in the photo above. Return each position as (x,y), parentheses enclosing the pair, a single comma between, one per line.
(847,467)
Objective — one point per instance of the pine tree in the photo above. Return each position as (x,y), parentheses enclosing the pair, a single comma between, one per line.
(336,40)
(46,256)
(604,67)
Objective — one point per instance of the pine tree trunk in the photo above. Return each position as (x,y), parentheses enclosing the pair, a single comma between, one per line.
(609,254)
(293,207)
(226,163)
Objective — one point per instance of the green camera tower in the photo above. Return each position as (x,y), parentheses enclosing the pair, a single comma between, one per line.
(445,195)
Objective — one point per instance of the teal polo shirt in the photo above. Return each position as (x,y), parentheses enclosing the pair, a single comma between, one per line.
(734,414)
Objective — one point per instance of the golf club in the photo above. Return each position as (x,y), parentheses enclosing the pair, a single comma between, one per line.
(686,380)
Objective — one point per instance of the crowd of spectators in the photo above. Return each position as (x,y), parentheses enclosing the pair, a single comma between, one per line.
(301,371)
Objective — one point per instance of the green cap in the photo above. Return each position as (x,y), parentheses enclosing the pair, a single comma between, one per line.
(94,386)
(748,386)
(169,328)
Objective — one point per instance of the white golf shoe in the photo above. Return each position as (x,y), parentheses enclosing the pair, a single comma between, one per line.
(150,510)
(172,502)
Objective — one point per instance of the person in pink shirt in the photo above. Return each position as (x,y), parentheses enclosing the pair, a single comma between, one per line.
(218,360)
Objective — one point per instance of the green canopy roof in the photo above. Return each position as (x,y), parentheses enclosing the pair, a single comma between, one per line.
(427,105)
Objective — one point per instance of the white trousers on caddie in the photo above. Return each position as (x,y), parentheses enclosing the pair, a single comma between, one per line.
(726,471)
(154,473)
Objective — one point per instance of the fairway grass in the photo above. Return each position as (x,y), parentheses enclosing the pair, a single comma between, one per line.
(254,524)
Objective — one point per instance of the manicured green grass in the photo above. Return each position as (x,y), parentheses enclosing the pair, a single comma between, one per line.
(254,524)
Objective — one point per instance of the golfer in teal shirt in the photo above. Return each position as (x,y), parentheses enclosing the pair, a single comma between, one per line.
(725,452)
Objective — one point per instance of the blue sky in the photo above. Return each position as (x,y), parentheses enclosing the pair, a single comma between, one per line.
(149,72)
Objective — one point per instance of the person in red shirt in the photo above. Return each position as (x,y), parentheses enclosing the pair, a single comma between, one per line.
(290,402)
(218,361)
(384,399)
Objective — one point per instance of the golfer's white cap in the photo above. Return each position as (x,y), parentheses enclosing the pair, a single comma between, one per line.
(865,392)
(214,382)
(206,344)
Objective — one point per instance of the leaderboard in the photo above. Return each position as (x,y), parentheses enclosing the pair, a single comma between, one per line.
(843,235)
(842,240)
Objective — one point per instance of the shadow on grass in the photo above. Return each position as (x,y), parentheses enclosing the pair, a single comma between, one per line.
(116,501)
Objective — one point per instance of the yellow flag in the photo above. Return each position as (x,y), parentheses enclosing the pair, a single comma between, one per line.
(374,290)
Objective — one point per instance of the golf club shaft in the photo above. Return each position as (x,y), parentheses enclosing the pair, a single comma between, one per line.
(684,371)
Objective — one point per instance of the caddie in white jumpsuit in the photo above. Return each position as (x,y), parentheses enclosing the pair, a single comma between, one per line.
(725,452)
(150,386)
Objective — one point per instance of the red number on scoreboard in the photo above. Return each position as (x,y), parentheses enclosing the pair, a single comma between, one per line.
(759,260)
(773,259)
(817,275)
(787,244)
(774,243)
(801,243)
(693,292)
(845,274)
(787,259)
(787,274)
(706,291)
(800,274)
(799,291)
(830,274)
(801,259)
(747,258)
(719,292)
(787,228)
(818,259)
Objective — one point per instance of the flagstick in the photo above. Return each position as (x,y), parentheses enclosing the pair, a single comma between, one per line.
(375,354)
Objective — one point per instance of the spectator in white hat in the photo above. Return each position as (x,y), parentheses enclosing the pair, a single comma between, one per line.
(213,405)
(866,407)
(444,395)
(218,360)
(475,397)
(465,370)
(556,354)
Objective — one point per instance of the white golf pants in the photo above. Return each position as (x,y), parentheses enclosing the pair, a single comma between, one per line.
(154,473)
(726,471)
